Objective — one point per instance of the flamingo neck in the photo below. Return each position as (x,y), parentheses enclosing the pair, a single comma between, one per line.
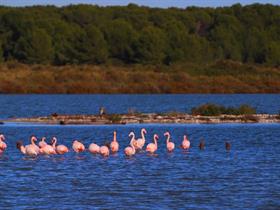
(54,143)
(132,142)
(168,138)
(155,140)
(115,137)
(33,142)
(143,134)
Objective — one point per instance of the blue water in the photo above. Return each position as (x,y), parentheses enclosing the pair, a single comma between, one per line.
(247,177)
(37,105)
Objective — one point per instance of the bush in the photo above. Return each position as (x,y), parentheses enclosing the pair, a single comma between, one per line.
(115,118)
(215,110)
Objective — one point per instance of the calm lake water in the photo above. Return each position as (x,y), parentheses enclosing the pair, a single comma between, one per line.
(247,177)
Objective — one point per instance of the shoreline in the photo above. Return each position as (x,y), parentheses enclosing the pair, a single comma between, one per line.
(149,118)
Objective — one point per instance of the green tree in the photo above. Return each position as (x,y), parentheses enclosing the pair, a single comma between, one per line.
(35,47)
(151,46)
(1,52)
(95,47)
(273,54)
(121,38)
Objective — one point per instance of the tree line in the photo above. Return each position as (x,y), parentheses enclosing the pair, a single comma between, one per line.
(89,34)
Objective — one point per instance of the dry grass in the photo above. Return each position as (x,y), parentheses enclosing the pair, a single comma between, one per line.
(20,78)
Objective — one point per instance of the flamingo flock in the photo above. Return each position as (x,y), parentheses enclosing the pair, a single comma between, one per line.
(135,145)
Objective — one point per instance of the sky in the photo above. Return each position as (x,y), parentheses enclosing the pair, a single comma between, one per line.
(151,3)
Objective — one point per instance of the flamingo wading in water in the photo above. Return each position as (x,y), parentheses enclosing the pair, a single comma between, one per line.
(130,150)
(3,145)
(32,140)
(42,143)
(139,143)
(169,145)
(60,149)
(114,144)
(185,143)
(104,151)
(152,147)
(94,148)
(78,146)
(29,149)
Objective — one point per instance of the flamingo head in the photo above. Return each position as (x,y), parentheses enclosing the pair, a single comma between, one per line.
(19,144)
(53,140)
(115,132)
(43,138)
(33,138)
(2,137)
(166,133)
(131,134)
(156,137)
(144,130)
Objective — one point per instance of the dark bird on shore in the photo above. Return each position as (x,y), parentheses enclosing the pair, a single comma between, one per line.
(227,146)
(202,145)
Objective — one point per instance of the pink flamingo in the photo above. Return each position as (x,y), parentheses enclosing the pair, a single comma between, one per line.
(104,151)
(130,150)
(60,149)
(185,143)
(169,145)
(29,149)
(114,144)
(139,143)
(152,147)
(3,145)
(32,140)
(47,150)
(78,146)
(94,148)
(42,143)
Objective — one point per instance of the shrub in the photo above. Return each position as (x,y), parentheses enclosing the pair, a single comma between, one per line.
(215,110)
(115,118)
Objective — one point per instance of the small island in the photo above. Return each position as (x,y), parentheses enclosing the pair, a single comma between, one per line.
(204,114)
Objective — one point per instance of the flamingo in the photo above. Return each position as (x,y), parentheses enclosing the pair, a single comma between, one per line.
(60,149)
(114,144)
(139,143)
(42,143)
(152,147)
(47,150)
(169,145)
(185,143)
(32,140)
(130,150)
(29,149)
(78,146)
(94,148)
(104,151)
(3,145)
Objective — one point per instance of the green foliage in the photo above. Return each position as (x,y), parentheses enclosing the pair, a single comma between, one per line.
(215,110)
(34,47)
(121,37)
(83,34)
(151,46)
(115,118)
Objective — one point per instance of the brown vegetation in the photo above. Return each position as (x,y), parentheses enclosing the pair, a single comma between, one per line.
(219,77)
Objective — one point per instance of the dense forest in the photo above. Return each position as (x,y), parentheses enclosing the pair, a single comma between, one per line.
(133,49)
(88,34)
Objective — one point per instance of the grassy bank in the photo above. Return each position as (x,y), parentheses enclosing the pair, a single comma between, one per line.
(217,77)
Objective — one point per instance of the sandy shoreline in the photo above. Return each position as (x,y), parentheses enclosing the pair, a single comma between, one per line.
(180,118)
